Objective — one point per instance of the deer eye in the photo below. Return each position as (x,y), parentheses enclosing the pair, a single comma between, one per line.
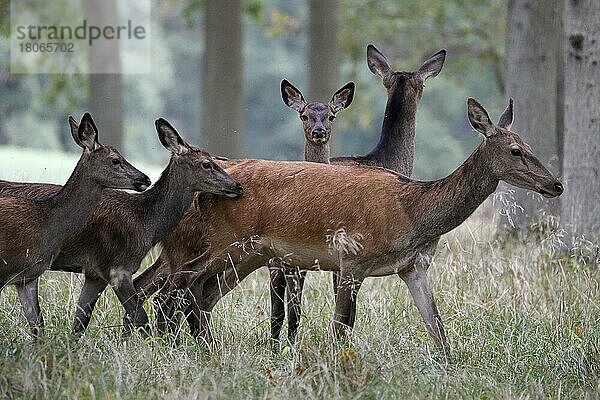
(516,152)
(206,165)
(331,117)
(304,118)
(116,161)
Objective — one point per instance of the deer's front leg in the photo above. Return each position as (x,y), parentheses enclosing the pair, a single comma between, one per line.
(345,303)
(420,290)
(91,291)
(122,283)
(28,294)
(278,282)
(295,285)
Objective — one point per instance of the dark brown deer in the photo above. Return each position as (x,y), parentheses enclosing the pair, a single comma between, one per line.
(32,232)
(388,224)
(394,151)
(123,227)
(317,123)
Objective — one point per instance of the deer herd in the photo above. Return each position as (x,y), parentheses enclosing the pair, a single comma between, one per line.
(218,220)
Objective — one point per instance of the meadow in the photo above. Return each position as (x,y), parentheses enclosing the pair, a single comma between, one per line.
(522,317)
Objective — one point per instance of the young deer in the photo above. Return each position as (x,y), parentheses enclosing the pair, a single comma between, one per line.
(124,227)
(392,223)
(394,151)
(317,122)
(32,232)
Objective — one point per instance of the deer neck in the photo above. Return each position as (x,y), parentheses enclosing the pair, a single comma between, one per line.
(70,208)
(396,147)
(316,152)
(448,202)
(165,203)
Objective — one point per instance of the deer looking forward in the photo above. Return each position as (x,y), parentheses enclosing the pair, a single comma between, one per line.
(33,231)
(123,227)
(396,231)
(394,151)
(317,123)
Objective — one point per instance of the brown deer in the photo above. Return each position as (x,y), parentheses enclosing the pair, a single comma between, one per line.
(391,224)
(317,123)
(124,227)
(33,231)
(394,151)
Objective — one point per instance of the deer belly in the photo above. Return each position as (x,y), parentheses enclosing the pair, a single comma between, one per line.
(303,256)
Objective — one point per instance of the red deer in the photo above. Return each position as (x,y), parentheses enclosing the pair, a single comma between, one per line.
(33,231)
(317,123)
(123,227)
(391,223)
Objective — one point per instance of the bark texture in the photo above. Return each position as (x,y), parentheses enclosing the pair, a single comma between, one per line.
(581,200)
(222,78)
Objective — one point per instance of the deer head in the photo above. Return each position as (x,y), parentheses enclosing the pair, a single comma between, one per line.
(109,166)
(511,159)
(196,166)
(412,82)
(317,118)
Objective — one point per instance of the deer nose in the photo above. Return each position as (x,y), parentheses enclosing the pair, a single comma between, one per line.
(559,187)
(318,133)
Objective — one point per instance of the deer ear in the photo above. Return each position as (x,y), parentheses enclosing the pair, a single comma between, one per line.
(291,96)
(506,119)
(87,133)
(169,137)
(377,63)
(432,66)
(342,98)
(479,118)
(74,130)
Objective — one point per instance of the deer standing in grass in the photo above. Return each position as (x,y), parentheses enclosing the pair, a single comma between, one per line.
(317,123)
(32,232)
(124,227)
(394,151)
(394,221)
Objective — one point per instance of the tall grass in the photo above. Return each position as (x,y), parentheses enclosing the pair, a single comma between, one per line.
(522,319)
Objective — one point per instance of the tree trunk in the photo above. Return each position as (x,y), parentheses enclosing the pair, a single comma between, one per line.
(580,202)
(106,100)
(222,78)
(323,58)
(533,65)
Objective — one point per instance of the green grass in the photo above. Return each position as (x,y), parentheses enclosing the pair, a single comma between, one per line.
(522,322)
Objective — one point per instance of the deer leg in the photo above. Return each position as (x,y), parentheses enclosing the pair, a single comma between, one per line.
(278,283)
(345,304)
(122,284)
(335,280)
(200,328)
(418,285)
(28,294)
(91,291)
(295,284)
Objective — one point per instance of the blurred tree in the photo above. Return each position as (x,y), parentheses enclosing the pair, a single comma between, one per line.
(222,78)
(532,78)
(323,54)
(105,97)
(580,205)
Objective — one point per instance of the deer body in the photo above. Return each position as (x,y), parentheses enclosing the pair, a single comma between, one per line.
(33,231)
(124,227)
(395,221)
